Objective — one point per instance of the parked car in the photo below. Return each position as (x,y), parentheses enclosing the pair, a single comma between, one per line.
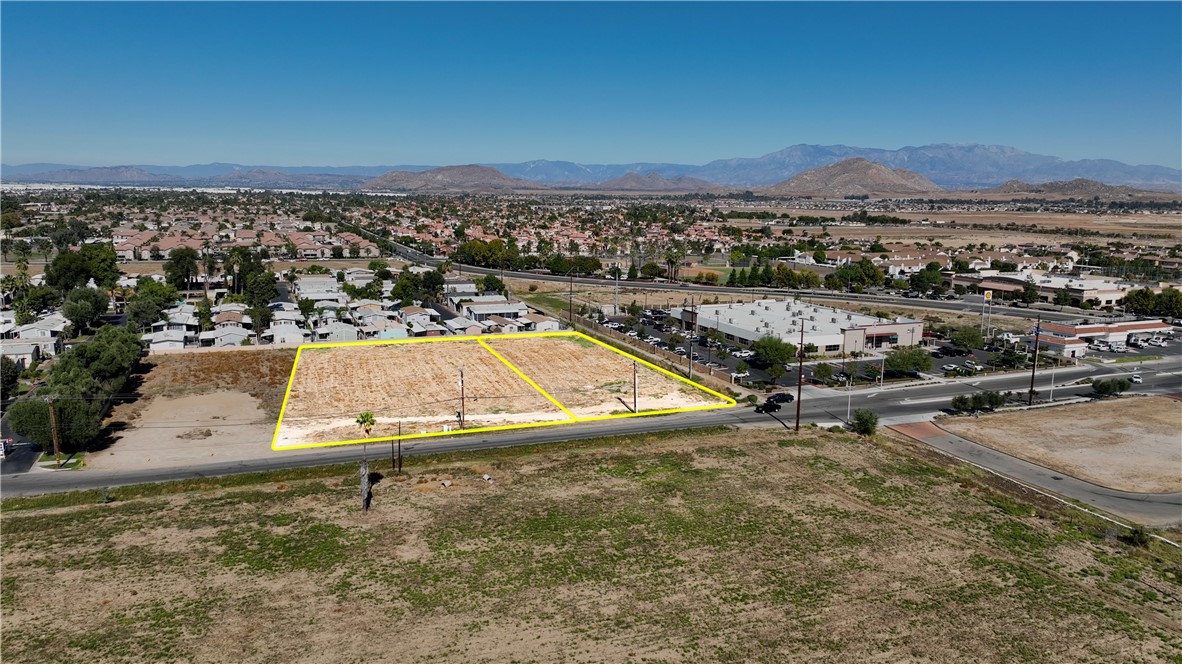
(741,374)
(949,367)
(974,365)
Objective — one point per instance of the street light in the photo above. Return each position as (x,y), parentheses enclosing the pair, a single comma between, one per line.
(849,397)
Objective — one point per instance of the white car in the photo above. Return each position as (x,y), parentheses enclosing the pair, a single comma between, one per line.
(740,374)
(1136,378)
(972,364)
(949,367)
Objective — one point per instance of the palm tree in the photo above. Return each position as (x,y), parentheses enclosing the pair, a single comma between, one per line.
(367,422)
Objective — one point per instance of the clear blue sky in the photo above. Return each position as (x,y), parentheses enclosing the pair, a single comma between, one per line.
(450,83)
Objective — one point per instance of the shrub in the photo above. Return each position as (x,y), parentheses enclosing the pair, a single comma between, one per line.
(865,422)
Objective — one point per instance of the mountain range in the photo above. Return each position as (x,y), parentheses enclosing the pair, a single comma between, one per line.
(968,166)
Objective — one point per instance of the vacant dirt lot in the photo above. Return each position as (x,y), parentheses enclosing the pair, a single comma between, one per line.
(197,407)
(590,380)
(1128,444)
(707,546)
(417,385)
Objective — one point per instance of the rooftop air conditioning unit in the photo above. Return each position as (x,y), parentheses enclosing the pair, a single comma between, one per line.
(832,320)
(730,320)
(849,316)
(814,328)
(752,312)
(813,318)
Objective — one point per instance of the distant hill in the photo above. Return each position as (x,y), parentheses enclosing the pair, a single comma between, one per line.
(471,178)
(655,183)
(1077,188)
(854,177)
(265,179)
(105,175)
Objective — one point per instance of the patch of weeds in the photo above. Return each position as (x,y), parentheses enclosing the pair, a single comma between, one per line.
(317,547)
(720,452)
(797,442)
(8,585)
(153,631)
(878,492)
(1009,505)
(1019,537)
(1120,568)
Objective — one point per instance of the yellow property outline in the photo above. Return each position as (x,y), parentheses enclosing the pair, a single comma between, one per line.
(727,401)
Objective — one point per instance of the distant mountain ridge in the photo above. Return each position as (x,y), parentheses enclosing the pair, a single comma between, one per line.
(966,166)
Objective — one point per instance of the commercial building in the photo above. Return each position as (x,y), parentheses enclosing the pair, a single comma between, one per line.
(830,329)
(1071,339)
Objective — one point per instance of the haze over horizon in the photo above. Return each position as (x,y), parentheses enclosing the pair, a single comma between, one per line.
(311,84)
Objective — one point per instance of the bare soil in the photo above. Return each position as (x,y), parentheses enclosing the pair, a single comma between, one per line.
(1129,444)
(723,546)
(416,386)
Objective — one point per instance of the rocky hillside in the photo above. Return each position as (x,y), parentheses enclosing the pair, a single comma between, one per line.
(471,178)
(855,177)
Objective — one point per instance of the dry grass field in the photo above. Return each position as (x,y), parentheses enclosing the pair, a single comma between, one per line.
(717,545)
(416,386)
(1130,444)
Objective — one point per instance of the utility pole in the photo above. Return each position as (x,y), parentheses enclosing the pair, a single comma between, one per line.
(57,452)
(616,308)
(462,397)
(799,373)
(635,386)
(399,447)
(1034,364)
(689,356)
(571,300)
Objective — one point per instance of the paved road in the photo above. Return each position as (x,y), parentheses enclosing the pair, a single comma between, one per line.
(895,404)
(1150,509)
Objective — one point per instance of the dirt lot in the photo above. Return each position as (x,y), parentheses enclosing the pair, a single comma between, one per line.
(710,546)
(417,385)
(590,380)
(197,407)
(1130,444)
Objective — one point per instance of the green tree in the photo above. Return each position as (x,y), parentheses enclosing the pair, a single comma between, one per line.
(9,375)
(967,337)
(492,284)
(181,267)
(864,422)
(307,307)
(101,263)
(77,423)
(650,270)
(84,306)
(67,271)
(823,372)
(908,358)
(775,372)
(261,289)
(1169,303)
(338,251)
(773,351)
(1140,301)
(632,272)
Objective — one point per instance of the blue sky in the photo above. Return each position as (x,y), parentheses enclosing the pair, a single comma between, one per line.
(449,83)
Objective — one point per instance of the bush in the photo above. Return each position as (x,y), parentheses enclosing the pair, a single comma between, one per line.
(865,422)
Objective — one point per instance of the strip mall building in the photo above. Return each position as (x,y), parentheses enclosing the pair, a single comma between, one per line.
(1071,339)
